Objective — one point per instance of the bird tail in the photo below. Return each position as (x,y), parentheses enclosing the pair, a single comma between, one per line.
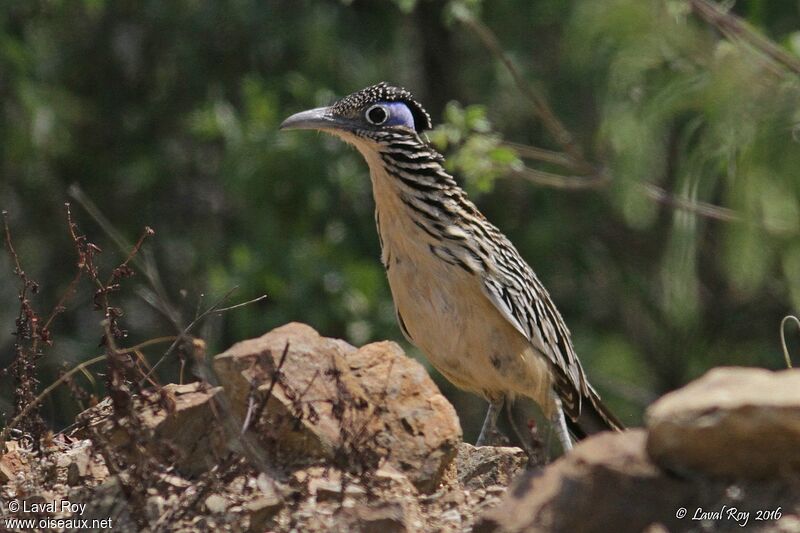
(594,417)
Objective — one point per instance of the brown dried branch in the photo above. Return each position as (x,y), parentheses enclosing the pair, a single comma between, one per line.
(540,104)
(578,183)
(558,181)
(12,252)
(540,154)
(215,308)
(28,333)
(81,367)
(255,408)
(121,367)
(123,270)
(142,261)
(573,159)
(734,28)
(703,209)
(60,307)
(50,388)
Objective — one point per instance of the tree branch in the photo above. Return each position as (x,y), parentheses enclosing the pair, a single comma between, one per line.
(572,158)
(557,181)
(735,28)
(703,209)
(540,105)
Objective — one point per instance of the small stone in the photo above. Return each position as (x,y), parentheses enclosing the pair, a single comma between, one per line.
(454,497)
(154,507)
(216,504)
(485,466)
(13,463)
(261,510)
(496,489)
(79,466)
(390,473)
(325,489)
(387,517)
(656,528)
(7,471)
(299,477)
(73,474)
(453,515)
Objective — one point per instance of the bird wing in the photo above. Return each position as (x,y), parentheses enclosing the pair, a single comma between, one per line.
(521,298)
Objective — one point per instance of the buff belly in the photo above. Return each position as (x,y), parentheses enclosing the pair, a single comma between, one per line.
(464,336)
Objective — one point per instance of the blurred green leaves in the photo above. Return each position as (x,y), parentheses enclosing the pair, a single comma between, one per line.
(707,119)
(474,151)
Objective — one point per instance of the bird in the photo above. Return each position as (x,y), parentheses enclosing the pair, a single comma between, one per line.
(463,294)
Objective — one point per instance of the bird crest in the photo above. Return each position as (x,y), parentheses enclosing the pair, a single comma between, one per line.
(383,92)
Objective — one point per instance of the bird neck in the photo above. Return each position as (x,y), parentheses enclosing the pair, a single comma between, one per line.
(408,178)
(417,203)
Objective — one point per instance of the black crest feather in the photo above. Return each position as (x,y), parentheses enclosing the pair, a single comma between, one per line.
(383,92)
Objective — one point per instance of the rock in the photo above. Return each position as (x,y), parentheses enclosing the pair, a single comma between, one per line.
(216,504)
(154,507)
(451,518)
(607,483)
(261,510)
(387,517)
(387,476)
(732,422)
(420,427)
(333,401)
(192,426)
(327,484)
(297,428)
(78,457)
(7,472)
(333,490)
(488,466)
(108,500)
(189,428)
(13,463)
(73,474)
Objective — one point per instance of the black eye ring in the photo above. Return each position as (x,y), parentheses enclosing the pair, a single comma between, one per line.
(377,115)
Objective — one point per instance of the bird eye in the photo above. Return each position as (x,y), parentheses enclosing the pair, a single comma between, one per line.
(377,115)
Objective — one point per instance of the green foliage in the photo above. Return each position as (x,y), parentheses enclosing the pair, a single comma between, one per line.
(709,120)
(476,153)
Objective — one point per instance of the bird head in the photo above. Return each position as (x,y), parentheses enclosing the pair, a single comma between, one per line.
(366,115)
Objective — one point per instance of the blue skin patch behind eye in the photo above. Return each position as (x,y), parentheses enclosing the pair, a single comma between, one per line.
(399,115)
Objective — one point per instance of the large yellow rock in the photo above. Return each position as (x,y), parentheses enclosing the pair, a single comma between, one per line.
(354,407)
(732,422)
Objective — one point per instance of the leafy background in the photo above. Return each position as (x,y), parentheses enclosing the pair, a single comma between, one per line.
(166,114)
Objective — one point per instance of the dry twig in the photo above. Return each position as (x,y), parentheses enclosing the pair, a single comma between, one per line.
(736,29)
(786,355)
(591,175)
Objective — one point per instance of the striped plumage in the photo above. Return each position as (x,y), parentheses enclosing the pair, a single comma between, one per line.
(463,293)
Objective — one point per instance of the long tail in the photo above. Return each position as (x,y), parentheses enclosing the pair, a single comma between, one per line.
(595,417)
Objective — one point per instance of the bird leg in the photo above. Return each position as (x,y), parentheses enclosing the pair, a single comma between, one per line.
(489,430)
(530,444)
(559,424)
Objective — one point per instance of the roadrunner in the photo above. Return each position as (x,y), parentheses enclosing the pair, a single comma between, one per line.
(462,292)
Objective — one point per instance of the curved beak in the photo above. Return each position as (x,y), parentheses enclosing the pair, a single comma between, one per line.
(313,119)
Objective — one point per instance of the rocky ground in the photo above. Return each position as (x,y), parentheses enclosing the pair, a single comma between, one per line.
(306,433)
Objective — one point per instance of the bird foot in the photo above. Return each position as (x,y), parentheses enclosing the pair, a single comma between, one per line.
(492,438)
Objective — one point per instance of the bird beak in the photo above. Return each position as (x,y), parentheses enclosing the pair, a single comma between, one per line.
(313,119)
